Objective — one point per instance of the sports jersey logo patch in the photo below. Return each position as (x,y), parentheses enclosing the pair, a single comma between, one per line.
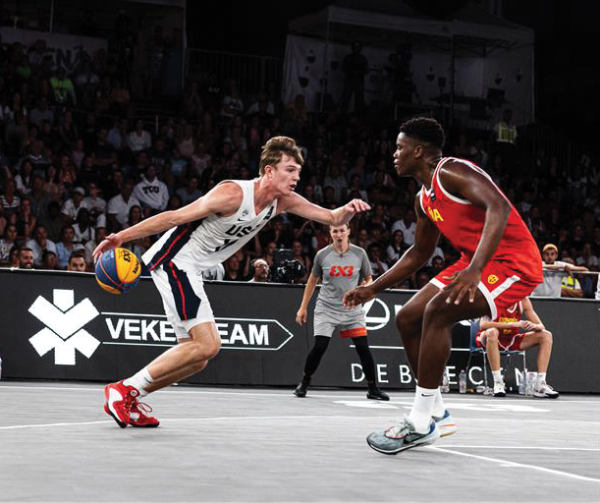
(492,278)
(341,270)
(435,215)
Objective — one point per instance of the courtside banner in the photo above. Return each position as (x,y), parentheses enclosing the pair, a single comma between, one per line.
(64,326)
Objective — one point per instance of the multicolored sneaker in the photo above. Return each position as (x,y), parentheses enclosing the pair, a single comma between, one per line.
(544,391)
(402,437)
(119,399)
(446,424)
(139,417)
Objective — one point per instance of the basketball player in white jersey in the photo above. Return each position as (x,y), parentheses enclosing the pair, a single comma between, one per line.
(201,235)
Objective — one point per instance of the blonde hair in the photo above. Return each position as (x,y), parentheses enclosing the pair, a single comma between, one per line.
(275,148)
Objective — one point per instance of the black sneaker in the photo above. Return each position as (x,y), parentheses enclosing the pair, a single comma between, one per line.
(300,390)
(377,394)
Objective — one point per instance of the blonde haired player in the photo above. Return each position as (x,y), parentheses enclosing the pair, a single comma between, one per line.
(201,235)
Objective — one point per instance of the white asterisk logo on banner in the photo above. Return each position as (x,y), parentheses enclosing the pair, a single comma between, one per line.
(64,327)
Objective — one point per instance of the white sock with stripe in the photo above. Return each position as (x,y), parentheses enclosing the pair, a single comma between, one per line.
(497,376)
(140,380)
(421,412)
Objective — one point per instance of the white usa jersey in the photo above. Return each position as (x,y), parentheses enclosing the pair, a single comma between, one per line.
(212,240)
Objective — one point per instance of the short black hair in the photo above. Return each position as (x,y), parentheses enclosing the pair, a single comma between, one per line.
(425,129)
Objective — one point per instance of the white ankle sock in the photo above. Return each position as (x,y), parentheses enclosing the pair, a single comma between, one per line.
(541,378)
(439,408)
(497,375)
(140,380)
(420,414)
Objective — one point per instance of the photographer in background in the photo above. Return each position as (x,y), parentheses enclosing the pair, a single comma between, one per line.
(261,271)
(341,267)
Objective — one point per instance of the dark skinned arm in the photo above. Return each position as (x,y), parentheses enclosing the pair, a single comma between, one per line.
(426,239)
(477,188)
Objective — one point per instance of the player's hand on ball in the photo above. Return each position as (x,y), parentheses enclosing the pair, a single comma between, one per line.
(358,296)
(112,241)
(301,316)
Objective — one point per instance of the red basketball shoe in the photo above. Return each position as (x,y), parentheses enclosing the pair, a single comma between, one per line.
(119,400)
(139,416)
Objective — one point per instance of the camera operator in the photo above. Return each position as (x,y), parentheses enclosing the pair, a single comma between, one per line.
(261,271)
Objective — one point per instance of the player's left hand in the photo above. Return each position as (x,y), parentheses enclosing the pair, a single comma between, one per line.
(356,206)
(463,283)
(111,241)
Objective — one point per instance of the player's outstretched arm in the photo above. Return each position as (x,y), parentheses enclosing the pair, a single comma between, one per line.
(224,200)
(426,239)
(295,203)
(477,188)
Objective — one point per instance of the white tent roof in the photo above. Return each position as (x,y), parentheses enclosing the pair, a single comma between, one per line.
(379,22)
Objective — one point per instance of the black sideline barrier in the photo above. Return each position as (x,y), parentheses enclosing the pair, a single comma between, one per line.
(63,326)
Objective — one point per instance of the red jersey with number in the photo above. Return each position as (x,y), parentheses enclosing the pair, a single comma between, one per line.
(462,224)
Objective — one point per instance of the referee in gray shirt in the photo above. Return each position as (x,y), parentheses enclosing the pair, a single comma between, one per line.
(341,266)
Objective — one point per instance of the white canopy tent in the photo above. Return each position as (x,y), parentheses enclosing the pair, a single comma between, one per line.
(472,52)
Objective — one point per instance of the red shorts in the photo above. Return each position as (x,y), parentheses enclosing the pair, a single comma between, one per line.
(500,286)
(507,342)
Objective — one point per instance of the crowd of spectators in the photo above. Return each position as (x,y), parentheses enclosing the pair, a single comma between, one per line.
(74,166)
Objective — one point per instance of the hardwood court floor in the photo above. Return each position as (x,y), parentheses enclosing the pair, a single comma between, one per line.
(227,444)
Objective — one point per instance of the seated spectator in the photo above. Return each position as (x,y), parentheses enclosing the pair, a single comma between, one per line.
(262,108)
(186,144)
(90,246)
(95,204)
(378,267)
(260,271)
(232,104)
(66,246)
(422,279)
(38,198)
(54,222)
(509,332)
(84,231)
(570,286)
(407,225)
(139,139)
(25,257)
(63,90)
(216,273)
(39,244)
(67,130)
(396,248)
(190,192)
(76,261)
(151,192)
(41,113)
(135,216)
(298,254)
(232,269)
(10,200)
(49,261)
(71,206)
(24,178)
(159,156)
(26,221)
(119,206)
(9,239)
(554,271)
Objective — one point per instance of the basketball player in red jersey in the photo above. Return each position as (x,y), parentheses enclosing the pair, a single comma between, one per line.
(500,264)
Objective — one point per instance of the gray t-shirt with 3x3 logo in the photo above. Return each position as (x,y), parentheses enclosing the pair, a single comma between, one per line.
(340,272)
